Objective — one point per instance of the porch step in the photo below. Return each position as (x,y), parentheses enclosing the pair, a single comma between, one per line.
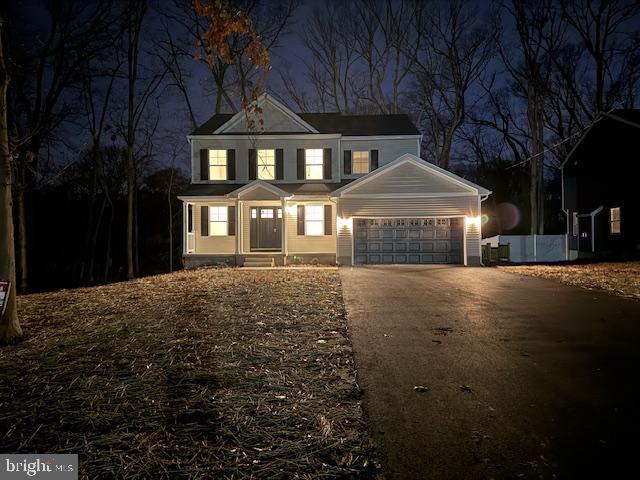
(258,262)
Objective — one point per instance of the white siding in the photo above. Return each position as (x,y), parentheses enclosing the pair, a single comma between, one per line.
(242,146)
(409,178)
(211,244)
(389,149)
(274,120)
(309,244)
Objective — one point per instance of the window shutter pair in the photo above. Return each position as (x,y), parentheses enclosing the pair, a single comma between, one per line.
(373,160)
(328,220)
(253,164)
(204,164)
(204,220)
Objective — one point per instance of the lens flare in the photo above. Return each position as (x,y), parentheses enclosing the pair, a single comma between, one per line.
(508,215)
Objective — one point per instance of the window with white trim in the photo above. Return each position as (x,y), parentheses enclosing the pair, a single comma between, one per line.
(313,164)
(218,221)
(314,220)
(217,164)
(266,164)
(614,220)
(360,163)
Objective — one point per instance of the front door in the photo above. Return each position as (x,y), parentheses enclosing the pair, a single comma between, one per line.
(266,229)
(584,228)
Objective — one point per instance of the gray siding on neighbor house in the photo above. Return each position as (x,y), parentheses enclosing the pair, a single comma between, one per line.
(409,178)
(407,207)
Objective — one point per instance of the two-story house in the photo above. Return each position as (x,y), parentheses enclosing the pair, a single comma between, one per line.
(282,187)
(599,181)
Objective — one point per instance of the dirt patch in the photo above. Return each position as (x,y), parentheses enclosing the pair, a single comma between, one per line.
(622,278)
(200,374)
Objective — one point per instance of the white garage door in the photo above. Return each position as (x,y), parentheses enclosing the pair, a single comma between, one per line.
(408,240)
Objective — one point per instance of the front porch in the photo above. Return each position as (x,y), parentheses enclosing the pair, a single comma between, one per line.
(259,220)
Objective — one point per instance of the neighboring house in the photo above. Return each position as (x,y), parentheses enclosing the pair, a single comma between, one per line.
(600,189)
(323,187)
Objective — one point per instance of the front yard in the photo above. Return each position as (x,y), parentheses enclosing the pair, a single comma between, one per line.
(621,279)
(199,374)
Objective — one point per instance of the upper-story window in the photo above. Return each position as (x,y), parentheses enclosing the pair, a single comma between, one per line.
(614,220)
(360,162)
(313,164)
(217,164)
(266,164)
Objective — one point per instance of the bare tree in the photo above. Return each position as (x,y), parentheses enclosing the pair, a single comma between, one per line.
(137,100)
(9,324)
(43,73)
(456,48)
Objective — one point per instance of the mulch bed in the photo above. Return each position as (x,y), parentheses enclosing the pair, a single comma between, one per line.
(214,373)
(619,278)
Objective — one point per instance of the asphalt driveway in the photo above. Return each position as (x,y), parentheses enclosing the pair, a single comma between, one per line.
(525,377)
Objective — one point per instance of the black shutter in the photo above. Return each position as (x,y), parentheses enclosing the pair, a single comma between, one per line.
(374,159)
(279,164)
(231,220)
(300,219)
(253,164)
(301,164)
(204,164)
(326,163)
(204,221)
(328,220)
(347,162)
(231,164)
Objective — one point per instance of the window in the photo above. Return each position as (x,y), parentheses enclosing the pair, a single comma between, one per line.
(575,224)
(614,220)
(254,213)
(218,221)
(189,218)
(266,213)
(266,164)
(360,161)
(314,219)
(313,164)
(217,164)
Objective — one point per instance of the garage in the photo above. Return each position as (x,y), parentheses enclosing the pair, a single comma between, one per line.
(408,240)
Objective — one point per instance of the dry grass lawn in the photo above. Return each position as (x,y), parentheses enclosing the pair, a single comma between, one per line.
(621,279)
(201,374)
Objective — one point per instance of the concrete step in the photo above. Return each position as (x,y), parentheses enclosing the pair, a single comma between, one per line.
(258,262)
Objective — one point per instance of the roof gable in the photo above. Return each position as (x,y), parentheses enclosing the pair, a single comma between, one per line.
(273,118)
(258,190)
(408,176)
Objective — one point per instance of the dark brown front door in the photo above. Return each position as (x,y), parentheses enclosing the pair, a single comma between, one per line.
(266,228)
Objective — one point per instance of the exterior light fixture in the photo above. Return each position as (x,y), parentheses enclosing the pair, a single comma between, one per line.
(345,223)
(472,221)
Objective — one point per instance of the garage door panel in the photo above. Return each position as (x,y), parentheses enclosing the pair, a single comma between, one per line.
(408,240)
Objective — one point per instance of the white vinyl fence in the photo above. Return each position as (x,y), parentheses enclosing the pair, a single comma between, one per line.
(531,248)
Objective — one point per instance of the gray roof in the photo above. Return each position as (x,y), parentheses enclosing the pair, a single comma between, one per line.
(350,125)
(220,189)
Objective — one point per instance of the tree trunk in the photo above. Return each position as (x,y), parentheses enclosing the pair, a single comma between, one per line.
(22,237)
(536,190)
(10,330)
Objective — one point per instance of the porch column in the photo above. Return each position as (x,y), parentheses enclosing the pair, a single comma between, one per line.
(284,227)
(185,227)
(239,227)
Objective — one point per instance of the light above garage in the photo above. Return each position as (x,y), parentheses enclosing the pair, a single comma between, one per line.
(472,221)
(345,223)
